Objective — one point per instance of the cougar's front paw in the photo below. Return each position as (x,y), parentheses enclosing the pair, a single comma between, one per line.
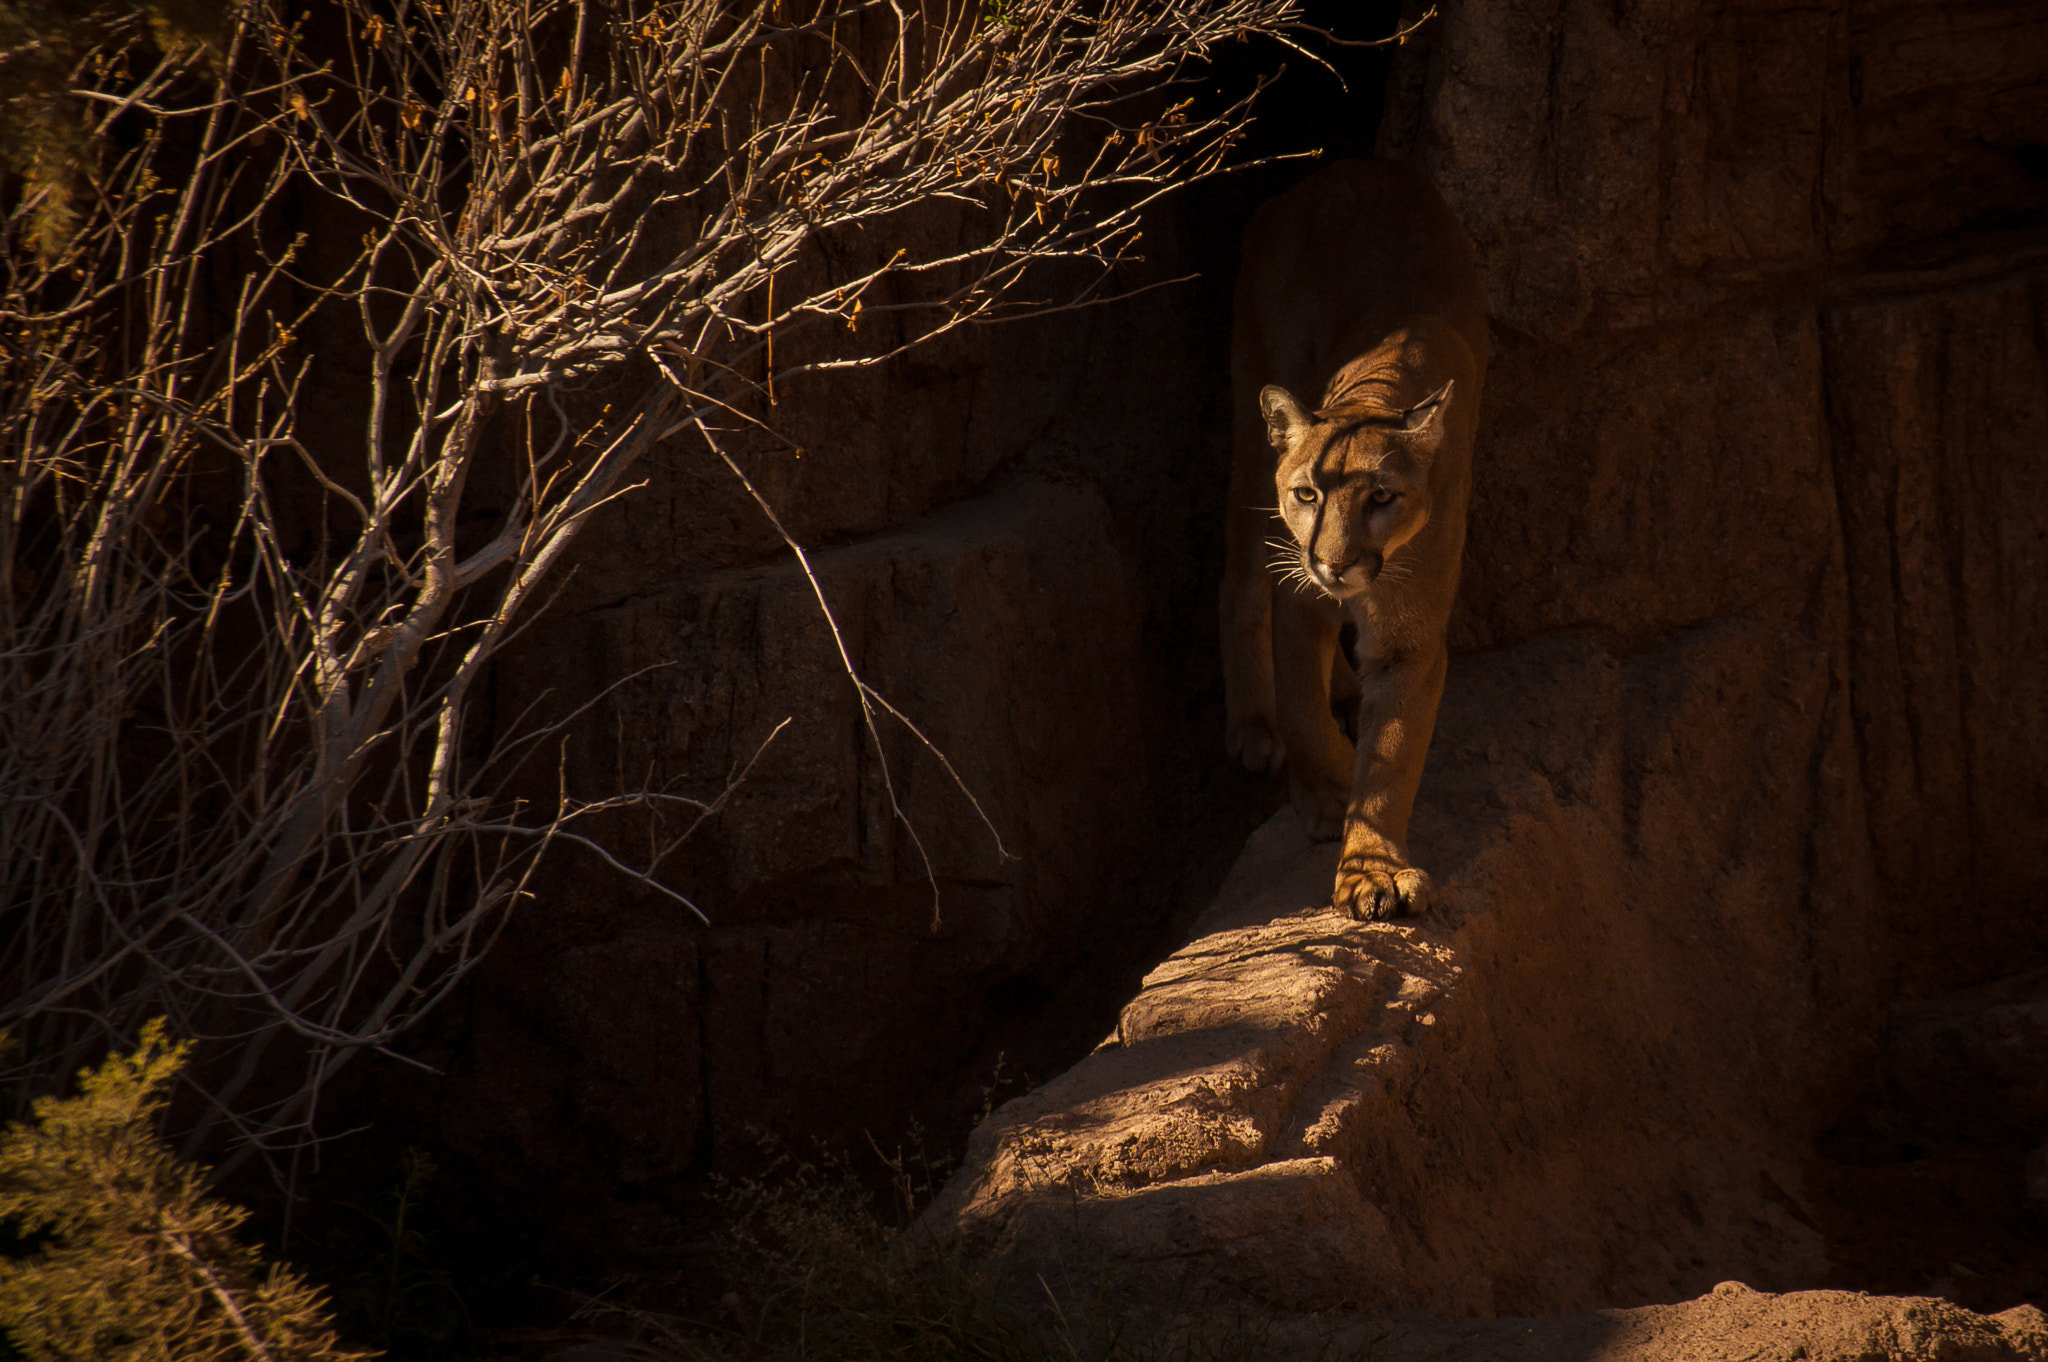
(1254,741)
(1372,889)
(1321,808)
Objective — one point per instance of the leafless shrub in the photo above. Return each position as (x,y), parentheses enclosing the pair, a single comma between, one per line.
(240,777)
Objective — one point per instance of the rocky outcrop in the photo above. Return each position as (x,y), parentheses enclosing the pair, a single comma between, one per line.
(1731,1321)
(1610,1033)
(1744,737)
(1630,166)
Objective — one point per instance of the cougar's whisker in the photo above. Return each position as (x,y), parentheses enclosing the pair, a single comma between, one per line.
(1287,567)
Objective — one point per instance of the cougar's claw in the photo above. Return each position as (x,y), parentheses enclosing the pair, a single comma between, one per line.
(1375,890)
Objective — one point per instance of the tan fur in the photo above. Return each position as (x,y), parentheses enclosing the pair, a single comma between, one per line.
(1359,290)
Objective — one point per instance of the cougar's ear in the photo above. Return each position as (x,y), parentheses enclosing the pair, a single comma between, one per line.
(1426,418)
(1285,419)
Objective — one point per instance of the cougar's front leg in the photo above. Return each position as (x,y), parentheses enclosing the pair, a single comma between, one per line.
(1319,758)
(1396,714)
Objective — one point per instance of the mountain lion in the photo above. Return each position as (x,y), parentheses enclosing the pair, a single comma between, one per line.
(1357,285)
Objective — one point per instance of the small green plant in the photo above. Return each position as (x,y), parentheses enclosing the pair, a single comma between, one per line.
(998,15)
(392,1285)
(122,1257)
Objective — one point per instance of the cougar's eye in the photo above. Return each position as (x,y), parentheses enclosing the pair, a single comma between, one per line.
(1305,495)
(1381,496)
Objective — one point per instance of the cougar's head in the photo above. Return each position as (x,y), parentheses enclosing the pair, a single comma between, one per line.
(1353,482)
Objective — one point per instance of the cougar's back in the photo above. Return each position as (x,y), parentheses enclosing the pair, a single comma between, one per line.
(1335,263)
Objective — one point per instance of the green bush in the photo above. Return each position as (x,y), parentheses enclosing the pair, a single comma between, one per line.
(122,1257)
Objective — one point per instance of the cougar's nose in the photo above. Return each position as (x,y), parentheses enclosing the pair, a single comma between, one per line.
(1352,572)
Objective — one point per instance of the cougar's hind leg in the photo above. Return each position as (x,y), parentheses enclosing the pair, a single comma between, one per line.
(1251,730)
(1344,682)
(1319,756)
